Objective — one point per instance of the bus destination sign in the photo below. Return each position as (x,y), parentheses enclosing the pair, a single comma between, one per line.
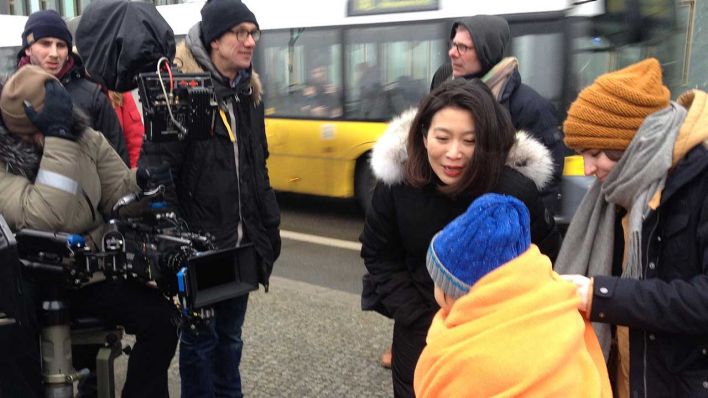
(372,7)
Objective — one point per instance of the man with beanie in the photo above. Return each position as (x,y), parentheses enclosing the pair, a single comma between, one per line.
(507,325)
(477,48)
(637,247)
(47,42)
(59,175)
(222,184)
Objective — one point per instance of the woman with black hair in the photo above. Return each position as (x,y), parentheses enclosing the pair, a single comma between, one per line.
(460,145)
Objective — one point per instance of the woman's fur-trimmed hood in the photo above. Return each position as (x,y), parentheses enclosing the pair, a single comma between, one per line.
(189,55)
(528,156)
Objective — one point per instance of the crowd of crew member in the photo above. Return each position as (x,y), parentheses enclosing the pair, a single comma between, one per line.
(460,245)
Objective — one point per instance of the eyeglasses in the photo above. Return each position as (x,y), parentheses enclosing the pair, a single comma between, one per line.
(242,34)
(461,48)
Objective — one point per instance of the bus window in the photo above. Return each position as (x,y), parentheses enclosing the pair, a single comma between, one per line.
(542,72)
(591,59)
(389,68)
(302,73)
(8,60)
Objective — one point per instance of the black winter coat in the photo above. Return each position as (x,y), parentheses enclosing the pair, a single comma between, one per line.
(89,97)
(399,226)
(215,193)
(667,310)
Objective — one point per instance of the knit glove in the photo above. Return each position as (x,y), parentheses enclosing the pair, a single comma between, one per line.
(56,118)
(150,177)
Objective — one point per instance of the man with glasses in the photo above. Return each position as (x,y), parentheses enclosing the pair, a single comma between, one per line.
(477,48)
(222,185)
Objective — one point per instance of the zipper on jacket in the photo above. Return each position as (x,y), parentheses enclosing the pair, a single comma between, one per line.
(232,117)
(644,370)
(645,263)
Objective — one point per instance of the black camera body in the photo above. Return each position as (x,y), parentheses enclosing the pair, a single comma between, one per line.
(157,246)
(177,106)
(152,245)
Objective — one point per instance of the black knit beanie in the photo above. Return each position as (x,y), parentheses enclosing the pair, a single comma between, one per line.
(47,23)
(218,16)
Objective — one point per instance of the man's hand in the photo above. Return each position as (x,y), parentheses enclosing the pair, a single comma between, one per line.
(582,285)
(56,118)
(151,177)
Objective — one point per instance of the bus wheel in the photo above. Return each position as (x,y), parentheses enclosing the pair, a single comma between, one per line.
(364,182)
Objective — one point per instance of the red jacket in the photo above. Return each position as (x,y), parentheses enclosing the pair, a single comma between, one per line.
(130,120)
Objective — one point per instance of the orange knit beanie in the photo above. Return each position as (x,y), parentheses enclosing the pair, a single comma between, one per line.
(608,113)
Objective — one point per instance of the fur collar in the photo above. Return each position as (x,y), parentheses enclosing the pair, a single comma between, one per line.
(188,63)
(528,156)
(19,157)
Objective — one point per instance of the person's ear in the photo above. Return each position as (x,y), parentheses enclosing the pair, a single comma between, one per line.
(449,301)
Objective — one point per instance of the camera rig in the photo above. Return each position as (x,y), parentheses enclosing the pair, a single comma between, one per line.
(152,245)
(186,109)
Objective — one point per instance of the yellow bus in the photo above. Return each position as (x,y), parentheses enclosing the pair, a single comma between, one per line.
(336,71)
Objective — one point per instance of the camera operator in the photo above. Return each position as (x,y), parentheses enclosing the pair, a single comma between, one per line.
(59,175)
(222,184)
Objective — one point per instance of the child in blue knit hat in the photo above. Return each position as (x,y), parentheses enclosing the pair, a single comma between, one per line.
(508,325)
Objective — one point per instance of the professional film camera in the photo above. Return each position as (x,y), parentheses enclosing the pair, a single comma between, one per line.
(150,245)
(134,48)
(157,246)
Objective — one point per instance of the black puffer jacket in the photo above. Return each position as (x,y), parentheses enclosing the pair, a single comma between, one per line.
(224,188)
(402,220)
(88,96)
(667,311)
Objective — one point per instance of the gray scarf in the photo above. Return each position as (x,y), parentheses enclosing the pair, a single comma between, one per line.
(588,245)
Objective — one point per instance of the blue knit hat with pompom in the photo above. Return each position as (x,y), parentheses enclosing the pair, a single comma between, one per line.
(493,231)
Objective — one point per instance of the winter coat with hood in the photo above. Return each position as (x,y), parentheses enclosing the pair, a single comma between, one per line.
(222,187)
(90,98)
(528,109)
(666,309)
(65,187)
(402,220)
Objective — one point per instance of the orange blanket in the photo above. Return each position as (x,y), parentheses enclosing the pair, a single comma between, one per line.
(516,333)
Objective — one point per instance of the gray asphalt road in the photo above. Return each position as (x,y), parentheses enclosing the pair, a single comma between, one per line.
(322,265)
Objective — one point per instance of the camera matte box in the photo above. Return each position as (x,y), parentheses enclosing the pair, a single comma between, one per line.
(218,275)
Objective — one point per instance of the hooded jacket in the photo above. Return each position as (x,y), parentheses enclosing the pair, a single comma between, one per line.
(402,220)
(222,187)
(528,109)
(89,97)
(67,187)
